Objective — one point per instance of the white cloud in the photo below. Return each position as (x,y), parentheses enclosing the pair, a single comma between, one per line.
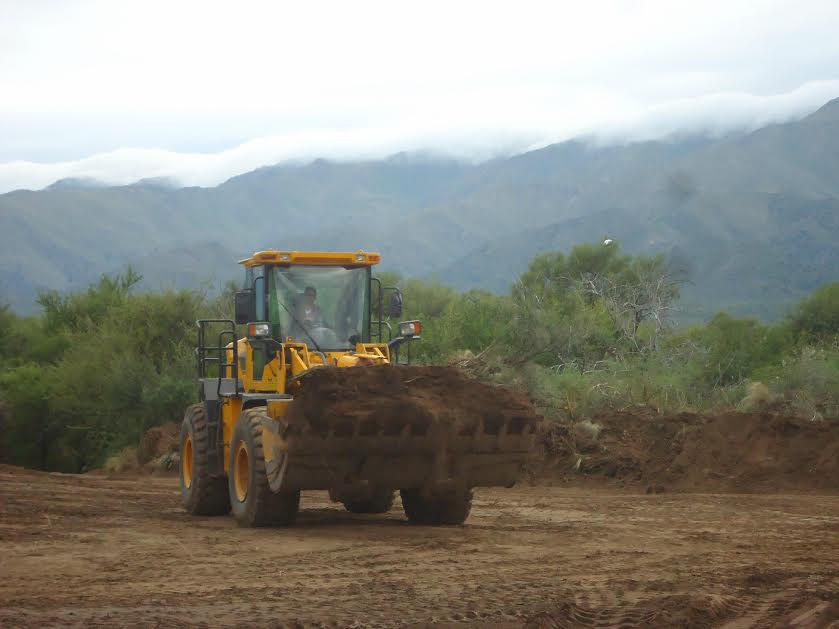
(128,90)
(474,139)
(717,114)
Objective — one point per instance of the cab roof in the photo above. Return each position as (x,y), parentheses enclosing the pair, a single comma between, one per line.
(318,258)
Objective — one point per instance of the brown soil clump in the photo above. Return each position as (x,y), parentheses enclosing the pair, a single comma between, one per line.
(159,441)
(389,397)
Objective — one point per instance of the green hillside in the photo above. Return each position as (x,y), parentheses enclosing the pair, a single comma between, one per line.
(754,217)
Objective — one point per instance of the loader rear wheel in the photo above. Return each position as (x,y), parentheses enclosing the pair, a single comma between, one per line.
(451,508)
(253,502)
(380,502)
(201,493)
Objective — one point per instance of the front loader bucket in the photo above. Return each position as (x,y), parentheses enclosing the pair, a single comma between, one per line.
(401,427)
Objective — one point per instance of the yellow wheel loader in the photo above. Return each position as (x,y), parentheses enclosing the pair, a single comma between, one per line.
(314,396)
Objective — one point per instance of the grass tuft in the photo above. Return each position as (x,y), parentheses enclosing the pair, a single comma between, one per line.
(123,461)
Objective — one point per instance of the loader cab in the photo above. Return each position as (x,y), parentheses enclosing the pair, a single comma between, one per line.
(326,306)
(328,300)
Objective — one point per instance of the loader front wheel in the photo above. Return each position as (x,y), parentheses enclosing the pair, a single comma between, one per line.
(450,508)
(380,502)
(253,502)
(201,493)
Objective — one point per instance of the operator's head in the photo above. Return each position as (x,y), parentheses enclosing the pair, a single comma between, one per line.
(310,294)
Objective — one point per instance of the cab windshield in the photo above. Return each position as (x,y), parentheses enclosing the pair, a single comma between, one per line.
(326,306)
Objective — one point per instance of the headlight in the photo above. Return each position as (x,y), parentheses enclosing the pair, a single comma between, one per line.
(410,328)
(259,329)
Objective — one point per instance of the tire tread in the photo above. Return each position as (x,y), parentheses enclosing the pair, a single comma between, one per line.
(263,507)
(208,495)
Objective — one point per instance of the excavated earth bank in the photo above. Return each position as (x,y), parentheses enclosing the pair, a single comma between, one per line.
(731,452)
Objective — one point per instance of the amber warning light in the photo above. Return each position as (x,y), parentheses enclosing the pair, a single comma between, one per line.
(259,329)
(410,328)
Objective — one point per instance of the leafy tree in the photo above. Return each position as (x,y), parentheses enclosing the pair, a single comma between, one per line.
(592,302)
(736,348)
(76,309)
(427,299)
(817,317)
(8,324)
(473,321)
(29,431)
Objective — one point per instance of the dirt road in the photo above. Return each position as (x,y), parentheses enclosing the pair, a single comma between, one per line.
(93,551)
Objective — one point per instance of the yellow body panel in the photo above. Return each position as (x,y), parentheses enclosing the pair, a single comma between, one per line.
(292,360)
(316,258)
(231,407)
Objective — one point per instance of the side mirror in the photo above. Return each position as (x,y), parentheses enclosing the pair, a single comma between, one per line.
(395,308)
(245,306)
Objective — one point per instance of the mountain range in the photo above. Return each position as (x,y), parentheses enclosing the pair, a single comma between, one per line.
(753,216)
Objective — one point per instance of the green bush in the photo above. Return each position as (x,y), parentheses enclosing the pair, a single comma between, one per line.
(88,377)
(95,371)
(29,432)
(71,311)
(807,380)
(737,347)
(817,317)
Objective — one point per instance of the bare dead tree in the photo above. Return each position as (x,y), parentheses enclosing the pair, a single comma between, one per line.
(646,291)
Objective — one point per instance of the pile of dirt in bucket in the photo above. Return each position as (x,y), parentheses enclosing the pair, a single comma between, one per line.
(379,399)
(739,452)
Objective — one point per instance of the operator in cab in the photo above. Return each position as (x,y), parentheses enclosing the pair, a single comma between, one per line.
(308,312)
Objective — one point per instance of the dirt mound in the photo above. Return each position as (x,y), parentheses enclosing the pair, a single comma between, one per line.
(389,397)
(159,441)
(741,452)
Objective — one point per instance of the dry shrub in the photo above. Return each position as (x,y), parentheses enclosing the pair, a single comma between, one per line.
(758,396)
(486,365)
(585,434)
(123,461)
(461,358)
(159,441)
(168,463)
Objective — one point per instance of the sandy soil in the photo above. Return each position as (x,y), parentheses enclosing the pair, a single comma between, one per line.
(92,551)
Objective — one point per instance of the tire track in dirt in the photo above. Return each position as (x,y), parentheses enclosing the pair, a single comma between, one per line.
(91,551)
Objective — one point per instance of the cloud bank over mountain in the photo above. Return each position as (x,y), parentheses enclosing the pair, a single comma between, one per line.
(201,91)
(714,115)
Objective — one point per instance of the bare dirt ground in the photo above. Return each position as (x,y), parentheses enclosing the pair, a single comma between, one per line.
(97,552)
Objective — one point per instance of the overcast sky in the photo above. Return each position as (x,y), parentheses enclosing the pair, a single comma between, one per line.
(201,91)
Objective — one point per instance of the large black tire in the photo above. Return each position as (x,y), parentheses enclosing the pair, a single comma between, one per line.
(452,508)
(380,502)
(202,494)
(253,502)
